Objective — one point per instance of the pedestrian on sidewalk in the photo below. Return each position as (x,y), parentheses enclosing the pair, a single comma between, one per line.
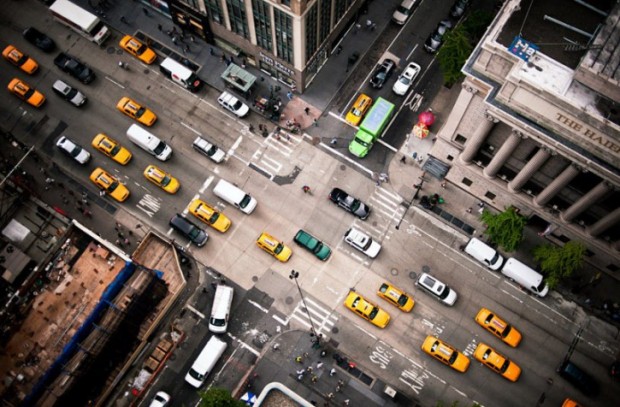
(368,24)
(443,185)
(174,40)
(307,111)
(289,95)
(309,369)
(338,49)
(301,372)
(403,159)
(123,20)
(159,27)
(298,359)
(276,346)
(346,402)
(102,193)
(315,122)
(319,365)
(145,11)
(314,379)
(332,372)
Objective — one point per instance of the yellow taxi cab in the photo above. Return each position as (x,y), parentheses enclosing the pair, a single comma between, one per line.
(445,353)
(359,109)
(132,109)
(272,246)
(138,49)
(570,403)
(162,179)
(496,362)
(111,185)
(210,216)
(111,148)
(498,327)
(396,297)
(367,310)
(23,91)
(19,59)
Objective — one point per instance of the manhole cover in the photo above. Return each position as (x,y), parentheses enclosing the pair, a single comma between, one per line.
(394,272)
(426,269)
(288,300)
(335,330)
(111,50)
(146,71)
(254,278)
(343,167)
(413,275)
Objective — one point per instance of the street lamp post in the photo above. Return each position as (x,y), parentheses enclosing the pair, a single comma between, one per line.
(293,276)
(417,187)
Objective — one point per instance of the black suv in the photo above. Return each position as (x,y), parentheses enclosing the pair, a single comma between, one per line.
(182,225)
(578,378)
(382,73)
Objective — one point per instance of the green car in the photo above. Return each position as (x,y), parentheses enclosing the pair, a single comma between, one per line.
(307,241)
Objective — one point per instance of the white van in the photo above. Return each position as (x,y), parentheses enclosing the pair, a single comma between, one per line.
(207,359)
(402,13)
(218,322)
(180,74)
(235,196)
(149,142)
(525,277)
(484,253)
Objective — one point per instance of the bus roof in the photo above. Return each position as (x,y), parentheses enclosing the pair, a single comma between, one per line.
(377,118)
(74,13)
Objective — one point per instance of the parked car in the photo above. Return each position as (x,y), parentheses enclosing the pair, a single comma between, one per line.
(23,91)
(314,245)
(73,150)
(434,41)
(232,104)
(137,49)
(578,378)
(349,203)
(405,79)
(497,363)
(436,289)
(208,149)
(39,40)
(458,9)
(362,242)
(161,399)
(72,95)
(382,73)
(20,60)
(367,310)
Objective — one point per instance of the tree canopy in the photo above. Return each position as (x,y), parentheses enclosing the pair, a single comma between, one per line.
(505,228)
(557,262)
(216,397)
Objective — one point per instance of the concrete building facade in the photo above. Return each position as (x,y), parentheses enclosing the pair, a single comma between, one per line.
(289,40)
(537,123)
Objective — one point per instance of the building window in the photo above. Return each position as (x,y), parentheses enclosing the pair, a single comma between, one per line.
(238,21)
(341,8)
(460,139)
(284,35)
(326,16)
(262,23)
(215,10)
(467,182)
(311,29)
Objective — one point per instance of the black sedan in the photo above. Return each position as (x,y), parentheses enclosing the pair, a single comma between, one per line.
(349,203)
(38,39)
(382,73)
(434,41)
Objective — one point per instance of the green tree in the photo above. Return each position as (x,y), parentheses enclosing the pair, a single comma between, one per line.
(505,228)
(215,397)
(453,54)
(557,262)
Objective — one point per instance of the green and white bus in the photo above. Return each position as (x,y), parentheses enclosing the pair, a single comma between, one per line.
(371,128)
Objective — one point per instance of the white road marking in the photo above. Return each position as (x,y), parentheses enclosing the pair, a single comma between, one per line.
(260,307)
(204,186)
(190,128)
(114,82)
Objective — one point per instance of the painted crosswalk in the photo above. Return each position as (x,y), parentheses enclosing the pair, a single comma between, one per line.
(323,319)
(275,150)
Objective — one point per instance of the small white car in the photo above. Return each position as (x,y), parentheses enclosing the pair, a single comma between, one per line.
(405,79)
(436,289)
(362,242)
(72,95)
(161,399)
(73,150)
(234,105)
(210,150)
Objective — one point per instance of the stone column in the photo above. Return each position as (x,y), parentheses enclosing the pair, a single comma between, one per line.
(475,141)
(585,201)
(556,185)
(503,154)
(529,169)
(604,223)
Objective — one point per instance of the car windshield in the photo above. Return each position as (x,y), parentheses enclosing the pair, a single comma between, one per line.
(356,112)
(212,151)
(355,204)
(373,313)
(403,10)
(504,366)
(71,93)
(165,180)
(368,243)
(193,233)
(245,201)
(76,151)
(381,75)
(278,248)
(237,105)
(506,330)
(453,357)
(140,112)
(541,286)
(113,186)
(362,142)
(404,80)
(115,150)
(160,148)
(402,300)
(443,291)
(141,49)
(28,93)
(214,217)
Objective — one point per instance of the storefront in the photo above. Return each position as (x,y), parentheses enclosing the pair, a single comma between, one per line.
(191,21)
(276,70)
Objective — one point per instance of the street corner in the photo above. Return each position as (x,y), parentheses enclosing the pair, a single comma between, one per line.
(298,113)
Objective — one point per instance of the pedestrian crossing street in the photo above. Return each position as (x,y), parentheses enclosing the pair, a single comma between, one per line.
(277,149)
(386,211)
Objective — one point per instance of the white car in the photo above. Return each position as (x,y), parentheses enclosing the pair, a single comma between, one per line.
(210,150)
(436,289)
(405,79)
(72,95)
(234,105)
(73,150)
(362,242)
(161,399)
